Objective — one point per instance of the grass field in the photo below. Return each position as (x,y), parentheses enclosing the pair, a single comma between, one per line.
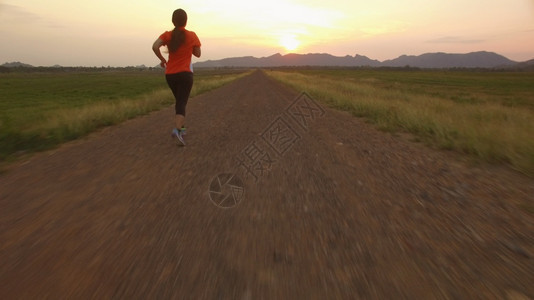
(41,110)
(487,115)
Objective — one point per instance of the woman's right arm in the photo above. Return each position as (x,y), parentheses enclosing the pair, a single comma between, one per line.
(155,47)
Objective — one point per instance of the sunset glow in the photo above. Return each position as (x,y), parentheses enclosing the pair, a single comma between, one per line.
(120,33)
(289,42)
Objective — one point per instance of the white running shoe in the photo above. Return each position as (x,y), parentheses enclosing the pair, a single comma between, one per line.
(178,134)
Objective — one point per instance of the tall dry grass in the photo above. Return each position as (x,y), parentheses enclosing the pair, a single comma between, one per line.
(489,131)
(61,125)
(70,123)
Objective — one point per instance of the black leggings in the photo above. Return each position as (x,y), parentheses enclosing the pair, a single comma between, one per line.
(180,84)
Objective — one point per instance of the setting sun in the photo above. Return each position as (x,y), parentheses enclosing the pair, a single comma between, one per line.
(289,42)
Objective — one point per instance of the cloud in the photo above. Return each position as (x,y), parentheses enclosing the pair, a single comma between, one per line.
(455,40)
(16,15)
(385,27)
(265,15)
(16,12)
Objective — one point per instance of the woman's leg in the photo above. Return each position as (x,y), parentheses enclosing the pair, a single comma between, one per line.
(180,85)
(179,121)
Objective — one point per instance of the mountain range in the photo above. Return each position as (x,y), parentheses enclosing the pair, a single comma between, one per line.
(480,59)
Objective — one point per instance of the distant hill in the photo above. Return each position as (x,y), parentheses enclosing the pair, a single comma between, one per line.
(16,64)
(525,66)
(480,59)
(312,59)
(444,60)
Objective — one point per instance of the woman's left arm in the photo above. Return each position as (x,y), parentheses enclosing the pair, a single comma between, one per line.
(196,51)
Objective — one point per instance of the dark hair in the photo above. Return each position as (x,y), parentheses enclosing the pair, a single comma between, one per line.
(179,19)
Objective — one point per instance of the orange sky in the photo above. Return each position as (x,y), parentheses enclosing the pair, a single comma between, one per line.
(121,32)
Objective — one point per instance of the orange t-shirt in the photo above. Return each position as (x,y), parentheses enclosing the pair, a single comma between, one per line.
(180,60)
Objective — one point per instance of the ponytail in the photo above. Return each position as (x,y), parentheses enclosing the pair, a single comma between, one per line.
(177,39)
(179,19)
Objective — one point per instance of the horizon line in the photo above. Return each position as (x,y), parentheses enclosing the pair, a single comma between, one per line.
(282,55)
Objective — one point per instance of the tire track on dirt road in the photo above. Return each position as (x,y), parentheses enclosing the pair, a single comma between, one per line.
(345,212)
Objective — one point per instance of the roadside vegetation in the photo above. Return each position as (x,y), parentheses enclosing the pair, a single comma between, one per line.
(487,115)
(39,111)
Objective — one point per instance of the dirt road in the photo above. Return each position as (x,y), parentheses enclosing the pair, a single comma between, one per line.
(320,206)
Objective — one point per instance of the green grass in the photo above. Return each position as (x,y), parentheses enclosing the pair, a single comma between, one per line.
(487,115)
(40,111)
(27,98)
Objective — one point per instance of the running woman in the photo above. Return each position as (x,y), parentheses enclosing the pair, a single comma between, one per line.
(182,44)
